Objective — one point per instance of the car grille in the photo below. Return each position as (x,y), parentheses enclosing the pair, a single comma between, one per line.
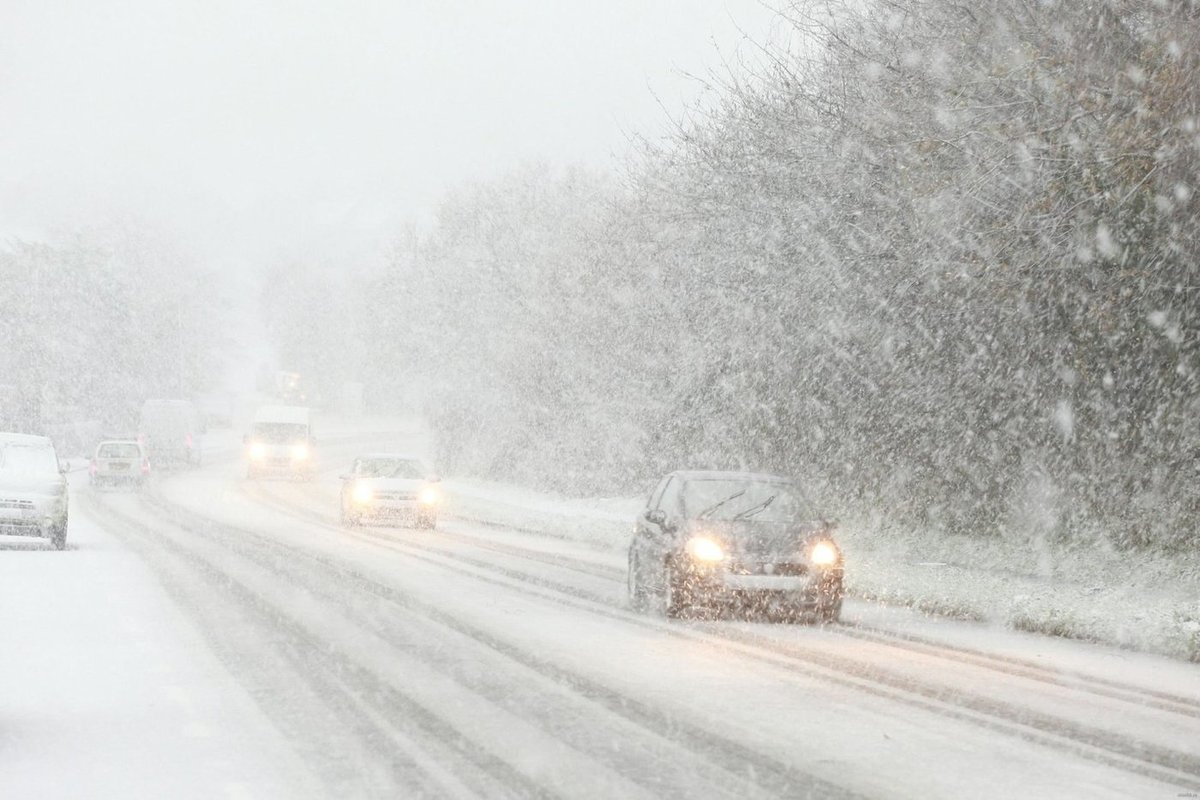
(20,505)
(787,568)
(395,496)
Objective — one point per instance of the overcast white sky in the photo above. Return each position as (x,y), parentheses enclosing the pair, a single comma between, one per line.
(254,129)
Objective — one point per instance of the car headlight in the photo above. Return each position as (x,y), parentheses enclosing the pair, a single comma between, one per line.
(703,548)
(300,451)
(430,496)
(362,493)
(824,554)
(258,451)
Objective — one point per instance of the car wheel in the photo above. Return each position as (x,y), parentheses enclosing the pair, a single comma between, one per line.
(829,610)
(58,535)
(633,584)
(677,601)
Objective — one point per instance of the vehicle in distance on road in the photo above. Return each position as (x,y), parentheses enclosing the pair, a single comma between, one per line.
(119,461)
(390,486)
(711,540)
(170,432)
(33,489)
(281,443)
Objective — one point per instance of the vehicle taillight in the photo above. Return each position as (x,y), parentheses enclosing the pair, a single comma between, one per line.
(92,467)
(188,440)
(145,467)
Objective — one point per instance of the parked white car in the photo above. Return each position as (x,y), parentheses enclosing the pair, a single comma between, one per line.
(33,489)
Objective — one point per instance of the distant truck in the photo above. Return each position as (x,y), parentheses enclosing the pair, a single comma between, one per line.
(170,432)
(281,443)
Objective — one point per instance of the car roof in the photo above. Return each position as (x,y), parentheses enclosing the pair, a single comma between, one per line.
(118,441)
(25,439)
(396,456)
(730,475)
(296,415)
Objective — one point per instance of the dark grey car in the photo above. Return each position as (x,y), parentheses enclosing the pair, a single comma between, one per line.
(708,540)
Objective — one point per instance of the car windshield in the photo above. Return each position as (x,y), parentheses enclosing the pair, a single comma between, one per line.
(119,450)
(279,432)
(28,460)
(391,468)
(728,499)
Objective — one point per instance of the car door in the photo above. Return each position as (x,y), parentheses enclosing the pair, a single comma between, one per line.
(650,538)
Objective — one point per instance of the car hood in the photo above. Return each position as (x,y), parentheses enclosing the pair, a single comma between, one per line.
(393,484)
(25,484)
(760,539)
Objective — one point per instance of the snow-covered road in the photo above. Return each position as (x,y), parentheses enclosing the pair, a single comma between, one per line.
(213,637)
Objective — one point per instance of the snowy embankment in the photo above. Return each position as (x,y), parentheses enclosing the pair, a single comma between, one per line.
(1139,601)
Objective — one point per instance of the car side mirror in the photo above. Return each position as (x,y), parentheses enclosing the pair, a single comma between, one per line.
(345,476)
(656,516)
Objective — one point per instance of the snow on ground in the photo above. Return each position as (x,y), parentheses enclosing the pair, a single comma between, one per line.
(108,691)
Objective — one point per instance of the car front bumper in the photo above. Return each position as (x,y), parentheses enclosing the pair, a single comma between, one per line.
(811,588)
(397,509)
(26,520)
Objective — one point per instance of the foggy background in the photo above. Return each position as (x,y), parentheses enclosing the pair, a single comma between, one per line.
(266,129)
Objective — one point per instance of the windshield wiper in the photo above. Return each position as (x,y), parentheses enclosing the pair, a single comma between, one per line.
(752,510)
(720,503)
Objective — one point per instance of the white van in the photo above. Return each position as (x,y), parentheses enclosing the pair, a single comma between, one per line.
(281,443)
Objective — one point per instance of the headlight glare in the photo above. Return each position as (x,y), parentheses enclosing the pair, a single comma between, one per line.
(363,493)
(703,548)
(300,451)
(824,554)
(430,496)
(258,451)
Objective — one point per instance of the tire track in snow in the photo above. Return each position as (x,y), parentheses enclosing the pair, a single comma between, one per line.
(1172,766)
(738,762)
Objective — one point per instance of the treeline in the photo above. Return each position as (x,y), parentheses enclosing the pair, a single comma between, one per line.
(93,325)
(937,259)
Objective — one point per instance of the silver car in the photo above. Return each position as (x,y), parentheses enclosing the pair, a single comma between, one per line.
(33,489)
(119,461)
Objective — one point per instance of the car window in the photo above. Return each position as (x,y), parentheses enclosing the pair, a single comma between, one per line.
(392,468)
(279,432)
(739,498)
(119,450)
(656,495)
(27,460)
(669,502)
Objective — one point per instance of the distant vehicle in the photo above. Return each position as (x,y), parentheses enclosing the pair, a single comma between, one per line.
(281,443)
(119,461)
(290,387)
(33,489)
(216,409)
(389,486)
(709,539)
(170,433)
